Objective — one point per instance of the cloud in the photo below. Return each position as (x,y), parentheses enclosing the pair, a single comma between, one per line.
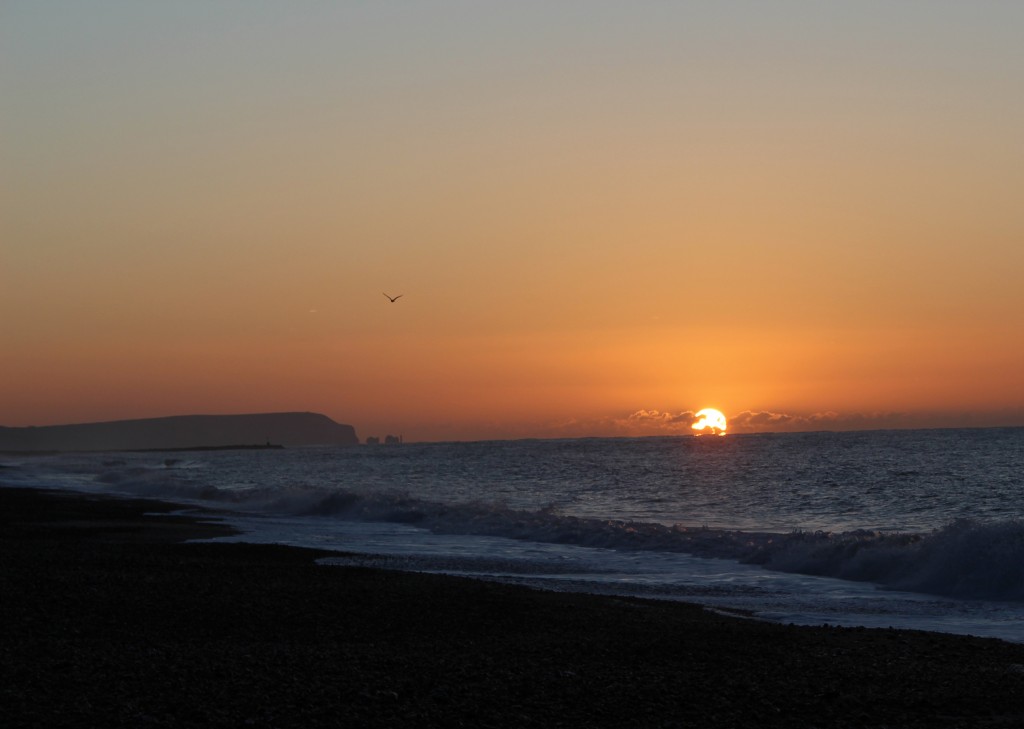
(638,423)
(650,417)
(652,422)
(761,419)
(646,422)
(751,421)
(658,422)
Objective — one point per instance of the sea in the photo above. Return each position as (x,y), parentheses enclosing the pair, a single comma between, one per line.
(913,529)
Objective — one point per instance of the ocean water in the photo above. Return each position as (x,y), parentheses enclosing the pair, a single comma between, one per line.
(910,529)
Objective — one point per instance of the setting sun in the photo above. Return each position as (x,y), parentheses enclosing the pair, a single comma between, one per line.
(710,421)
(850,257)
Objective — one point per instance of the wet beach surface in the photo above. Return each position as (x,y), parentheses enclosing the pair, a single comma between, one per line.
(108,618)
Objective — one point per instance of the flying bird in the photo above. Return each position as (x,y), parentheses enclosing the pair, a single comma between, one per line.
(393,299)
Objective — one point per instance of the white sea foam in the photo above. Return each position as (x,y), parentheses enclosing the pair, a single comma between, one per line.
(964,558)
(812,515)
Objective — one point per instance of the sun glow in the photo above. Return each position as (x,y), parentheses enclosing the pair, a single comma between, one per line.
(710,421)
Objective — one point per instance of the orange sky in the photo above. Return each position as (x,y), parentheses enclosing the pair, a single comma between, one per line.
(602,216)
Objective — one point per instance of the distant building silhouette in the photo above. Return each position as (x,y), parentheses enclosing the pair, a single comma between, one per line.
(372,440)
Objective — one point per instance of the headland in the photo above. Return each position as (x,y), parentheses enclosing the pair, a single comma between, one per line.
(182,432)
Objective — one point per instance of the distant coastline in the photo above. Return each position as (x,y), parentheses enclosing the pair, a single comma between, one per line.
(256,447)
(182,433)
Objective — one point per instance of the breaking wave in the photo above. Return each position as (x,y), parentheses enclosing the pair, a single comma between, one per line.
(964,559)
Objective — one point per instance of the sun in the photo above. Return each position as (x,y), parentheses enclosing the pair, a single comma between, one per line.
(710,421)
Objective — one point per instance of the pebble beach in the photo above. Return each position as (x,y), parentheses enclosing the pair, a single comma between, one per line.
(111,617)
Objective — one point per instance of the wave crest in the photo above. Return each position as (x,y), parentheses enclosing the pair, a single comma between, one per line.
(965,558)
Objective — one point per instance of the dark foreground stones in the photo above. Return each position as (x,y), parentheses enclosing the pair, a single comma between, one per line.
(106,619)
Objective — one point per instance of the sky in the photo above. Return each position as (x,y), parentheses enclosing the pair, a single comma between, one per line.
(602,216)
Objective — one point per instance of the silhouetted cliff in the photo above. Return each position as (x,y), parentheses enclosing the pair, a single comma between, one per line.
(182,431)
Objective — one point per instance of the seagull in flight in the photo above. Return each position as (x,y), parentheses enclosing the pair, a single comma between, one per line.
(393,299)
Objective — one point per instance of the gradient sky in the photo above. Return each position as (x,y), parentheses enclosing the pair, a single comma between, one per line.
(602,215)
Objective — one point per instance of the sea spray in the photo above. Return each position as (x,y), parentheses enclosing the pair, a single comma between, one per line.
(819,520)
(962,559)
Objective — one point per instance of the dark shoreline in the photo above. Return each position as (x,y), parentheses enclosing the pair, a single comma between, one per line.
(182,449)
(108,619)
